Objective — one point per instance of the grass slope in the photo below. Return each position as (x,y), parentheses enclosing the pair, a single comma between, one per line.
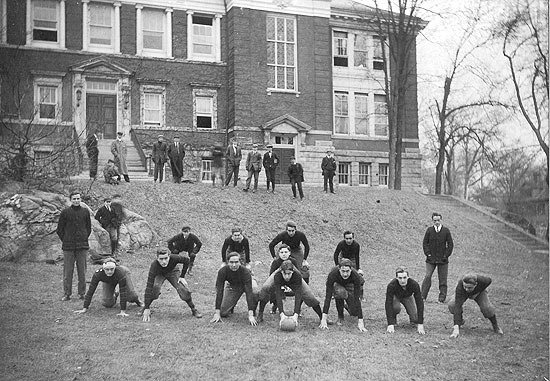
(41,338)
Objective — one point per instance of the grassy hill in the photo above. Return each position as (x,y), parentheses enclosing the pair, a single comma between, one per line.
(42,338)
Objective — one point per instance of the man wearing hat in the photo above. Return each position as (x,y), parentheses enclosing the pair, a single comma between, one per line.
(233,155)
(188,242)
(112,275)
(110,221)
(111,173)
(473,286)
(328,166)
(253,166)
(119,151)
(159,157)
(270,162)
(176,153)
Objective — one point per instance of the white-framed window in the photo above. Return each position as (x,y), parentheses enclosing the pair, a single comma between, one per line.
(378,53)
(206,170)
(47,99)
(340,41)
(360,50)
(153,105)
(341,113)
(344,173)
(205,108)
(357,49)
(284,139)
(383,171)
(380,115)
(281,53)
(365,174)
(46,23)
(154,32)
(361,116)
(204,43)
(3,22)
(101,27)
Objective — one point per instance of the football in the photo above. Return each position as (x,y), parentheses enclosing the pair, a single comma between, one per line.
(287,324)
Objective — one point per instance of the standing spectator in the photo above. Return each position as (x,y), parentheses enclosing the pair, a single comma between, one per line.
(239,280)
(110,221)
(188,242)
(176,153)
(112,275)
(328,166)
(111,173)
(253,166)
(349,248)
(293,238)
(296,176)
(401,290)
(438,247)
(119,151)
(271,161)
(473,286)
(233,155)
(343,282)
(159,157)
(238,243)
(165,268)
(217,165)
(93,153)
(74,228)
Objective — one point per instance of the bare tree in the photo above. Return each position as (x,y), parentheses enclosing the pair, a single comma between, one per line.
(524,37)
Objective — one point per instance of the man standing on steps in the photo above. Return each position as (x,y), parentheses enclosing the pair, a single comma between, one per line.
(438,247)
(328,166)
(93,153)
(233,155)
(159,157)
(176,153)
(253,166)
(119,151)
(271,161)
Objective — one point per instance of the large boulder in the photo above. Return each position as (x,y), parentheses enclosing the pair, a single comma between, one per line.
(28,223)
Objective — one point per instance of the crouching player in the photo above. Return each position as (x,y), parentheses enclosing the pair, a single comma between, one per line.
(344,282)
(112,275)
(401,290)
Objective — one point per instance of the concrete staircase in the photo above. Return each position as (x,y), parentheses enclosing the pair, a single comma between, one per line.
(479,216)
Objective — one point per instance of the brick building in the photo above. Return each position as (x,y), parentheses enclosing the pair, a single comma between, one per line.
(303,75)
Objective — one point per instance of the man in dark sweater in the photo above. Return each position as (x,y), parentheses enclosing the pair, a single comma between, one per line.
(73,229)
(110,221)
(344,283)
(473,286)
(401,290)
(293,238)
(296,175)
(438,247)
(349,248)
(236,242)
(188,242)
(239,279)
(112,275)
(165,268)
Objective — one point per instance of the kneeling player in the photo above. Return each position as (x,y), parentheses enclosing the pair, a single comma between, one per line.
(401,291)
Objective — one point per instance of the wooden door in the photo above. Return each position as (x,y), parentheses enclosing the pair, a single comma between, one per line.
(101,114)
(284,155)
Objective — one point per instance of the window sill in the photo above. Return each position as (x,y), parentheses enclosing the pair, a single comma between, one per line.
(281,91)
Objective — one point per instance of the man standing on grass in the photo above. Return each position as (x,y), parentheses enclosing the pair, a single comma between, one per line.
(402,290)
(188,242)
(165,268)
(238,243)
(349,248)
(239,280)
(296,175)
(438,247)
(344,283)
(176,153)
(110,221)
(74,228)
(233,155)
(270,161)
(473,286)
(328,166)
(293,238)
(253,166)
(112,275)
(159,157)
(217,165)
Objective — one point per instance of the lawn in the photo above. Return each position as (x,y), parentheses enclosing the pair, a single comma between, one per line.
(42,339)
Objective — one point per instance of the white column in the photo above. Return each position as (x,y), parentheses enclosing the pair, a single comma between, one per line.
(62,24)
(189,34)
(116,27)
(217,37)
(4,22)
(29,22)
(139,30)
(85,24)
(169,12)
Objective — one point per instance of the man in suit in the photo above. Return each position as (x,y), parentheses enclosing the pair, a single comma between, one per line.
(233,155)
(176,153)
(296,176)
(328,166)
(159,157)
(253,166)
(271,161)
(93,153)
(110,221)
(119,151)
(438,247)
